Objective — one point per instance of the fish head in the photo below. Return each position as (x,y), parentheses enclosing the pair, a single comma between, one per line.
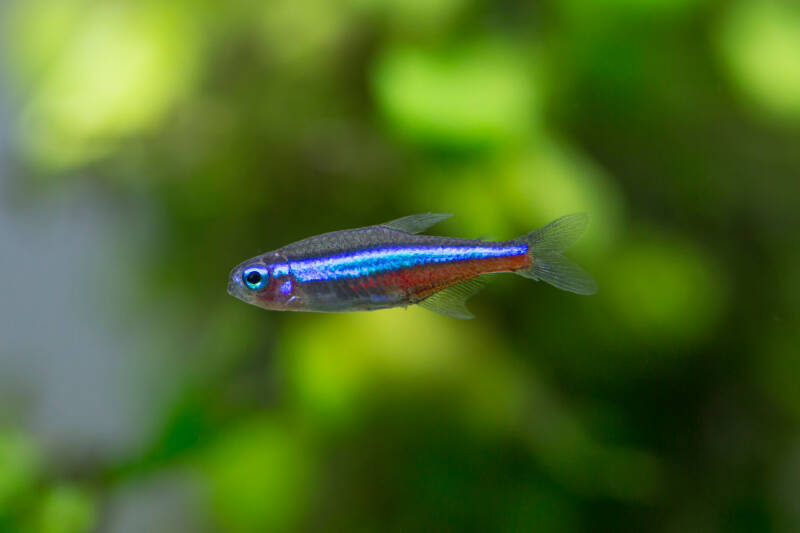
(264,281)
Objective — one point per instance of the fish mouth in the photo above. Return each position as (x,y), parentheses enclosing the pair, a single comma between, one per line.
(235,284)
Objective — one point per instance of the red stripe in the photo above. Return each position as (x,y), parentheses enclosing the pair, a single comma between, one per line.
(424,280)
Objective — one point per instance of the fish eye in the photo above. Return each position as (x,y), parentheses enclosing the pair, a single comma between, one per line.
(255,277)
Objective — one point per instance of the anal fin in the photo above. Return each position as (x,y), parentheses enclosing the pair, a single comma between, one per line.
(452,300)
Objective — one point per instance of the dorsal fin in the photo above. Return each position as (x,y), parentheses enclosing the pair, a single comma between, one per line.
(452,300)
(416,223)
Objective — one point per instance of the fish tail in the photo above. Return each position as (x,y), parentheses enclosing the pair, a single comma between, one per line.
(545,248)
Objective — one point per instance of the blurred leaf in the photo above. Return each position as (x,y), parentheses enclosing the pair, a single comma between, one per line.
(418,16)
(663,291)
(261,474)
(332,378)
(470,96)
(759,42)
(65,509)
(19,465)
(111,69)
(304,33)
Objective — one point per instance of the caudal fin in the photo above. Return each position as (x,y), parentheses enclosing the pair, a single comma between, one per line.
(546,247)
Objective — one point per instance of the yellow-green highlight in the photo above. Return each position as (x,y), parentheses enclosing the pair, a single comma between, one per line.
(472,95)
(759,44)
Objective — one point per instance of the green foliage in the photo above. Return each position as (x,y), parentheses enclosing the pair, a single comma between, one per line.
(259,475)
(217,130)
(19,462)
(26,506)
(759,42)
(113,70)
(469,96)
(65,510)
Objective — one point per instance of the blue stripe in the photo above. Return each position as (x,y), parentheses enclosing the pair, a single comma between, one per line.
(280,269)
(374,261)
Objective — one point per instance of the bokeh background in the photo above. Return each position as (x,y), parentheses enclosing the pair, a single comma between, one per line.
(146,147)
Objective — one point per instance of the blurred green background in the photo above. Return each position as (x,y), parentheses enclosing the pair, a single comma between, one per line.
(147,147)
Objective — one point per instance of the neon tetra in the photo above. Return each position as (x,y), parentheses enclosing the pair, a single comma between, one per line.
(391,265)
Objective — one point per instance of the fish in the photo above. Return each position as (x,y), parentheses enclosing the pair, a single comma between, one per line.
(394,265)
